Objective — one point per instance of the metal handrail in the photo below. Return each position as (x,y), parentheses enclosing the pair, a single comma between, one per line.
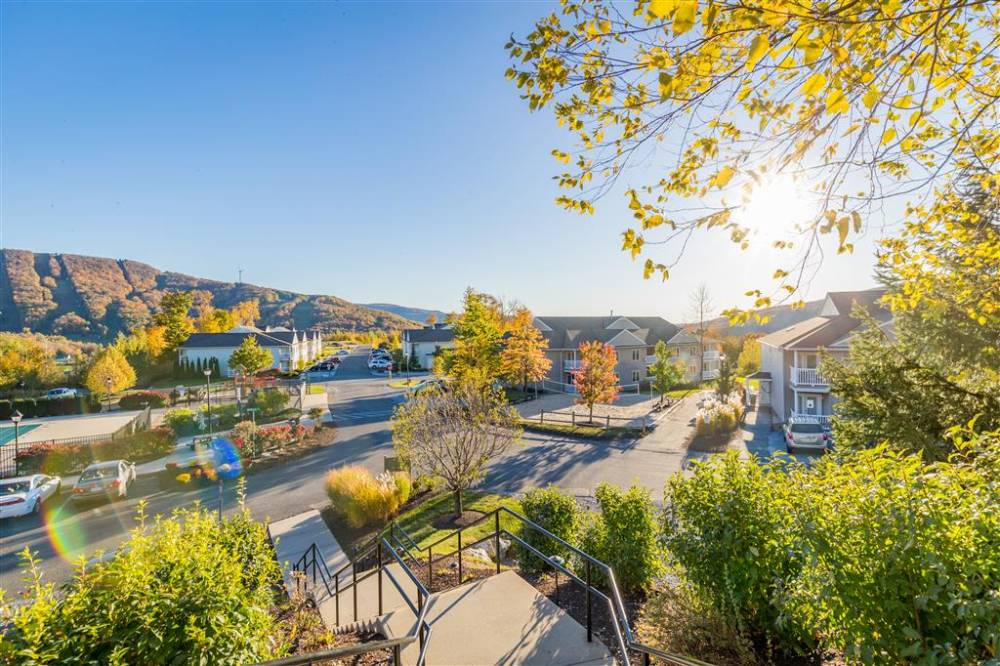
(344,651)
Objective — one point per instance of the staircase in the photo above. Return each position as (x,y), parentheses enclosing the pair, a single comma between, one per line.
(500,619)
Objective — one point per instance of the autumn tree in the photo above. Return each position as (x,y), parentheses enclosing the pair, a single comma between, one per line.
(702,307)
(24,361)
(523,357)
(667,371)
(596,380)
(250,356)
(478,339)
(109,373)
(453,435)
(245,313)
(828,112)
(748,360)
(431,320)
(214,320)
(173,316)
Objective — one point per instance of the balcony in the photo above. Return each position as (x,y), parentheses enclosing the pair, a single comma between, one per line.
(709,374)
(711,355)
(824,419)
(572,365)
(650,359)
(807,377)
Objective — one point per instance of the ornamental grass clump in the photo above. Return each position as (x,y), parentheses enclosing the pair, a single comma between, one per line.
(718,416)
(363,499)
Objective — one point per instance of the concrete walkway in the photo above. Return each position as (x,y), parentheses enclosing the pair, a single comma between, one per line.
(498,620)
(292,536)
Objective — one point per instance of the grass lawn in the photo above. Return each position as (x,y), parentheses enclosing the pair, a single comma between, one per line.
(405,383)
(316,390)
(193,382)
(418,521)
(595,432)
(680,393)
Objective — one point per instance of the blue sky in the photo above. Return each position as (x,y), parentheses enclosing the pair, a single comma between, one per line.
(369,150)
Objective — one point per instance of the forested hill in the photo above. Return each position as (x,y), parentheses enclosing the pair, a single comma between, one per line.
(93,298)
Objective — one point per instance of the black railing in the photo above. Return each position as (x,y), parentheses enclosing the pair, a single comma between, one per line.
(312,566)
(395,542)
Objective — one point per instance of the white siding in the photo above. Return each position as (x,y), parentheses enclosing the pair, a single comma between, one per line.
(772,360)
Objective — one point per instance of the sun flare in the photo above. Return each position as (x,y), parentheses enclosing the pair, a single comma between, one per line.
(778,204)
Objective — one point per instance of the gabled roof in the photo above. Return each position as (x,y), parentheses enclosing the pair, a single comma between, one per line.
(222,340)
(571,332)
(683,338)
(434,334)
(833,325)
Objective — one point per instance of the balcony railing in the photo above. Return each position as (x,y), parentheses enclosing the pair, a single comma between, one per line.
(650,359)
(808,377)
(711,355)
(572,365)
(709,374)
(824,419)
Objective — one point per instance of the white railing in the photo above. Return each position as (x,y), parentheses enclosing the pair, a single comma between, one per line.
(650,359)
(823,419)
(709,374)
(572,365)
(808,376)
(711,355)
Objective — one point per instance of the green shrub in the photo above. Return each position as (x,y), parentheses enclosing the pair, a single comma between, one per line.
(557,512)
(27,406)
(6,409)
(270,401)
(181,420)
(141,398)
(185,590)
(363,499)
(624,535)
(727,528)
(903,559)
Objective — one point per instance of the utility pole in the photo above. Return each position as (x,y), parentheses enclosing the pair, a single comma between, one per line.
(239,280)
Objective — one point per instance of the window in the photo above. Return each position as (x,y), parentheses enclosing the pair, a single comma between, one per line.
(635,375)
(635,354)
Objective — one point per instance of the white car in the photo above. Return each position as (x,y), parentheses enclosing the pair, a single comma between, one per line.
(380,364)
(26,494)
(60,393)
(104,480)
(806,434)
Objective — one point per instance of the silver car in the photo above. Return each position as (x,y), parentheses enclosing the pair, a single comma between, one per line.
(105,480)
(806,434)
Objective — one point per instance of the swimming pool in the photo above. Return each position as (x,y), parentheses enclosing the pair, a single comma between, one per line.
(7,432)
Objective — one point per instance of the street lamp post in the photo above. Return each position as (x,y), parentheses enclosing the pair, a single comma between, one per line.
(108,383)
(208,396)
(16,418)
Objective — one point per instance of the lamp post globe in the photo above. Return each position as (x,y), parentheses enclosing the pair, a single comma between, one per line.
(16,418)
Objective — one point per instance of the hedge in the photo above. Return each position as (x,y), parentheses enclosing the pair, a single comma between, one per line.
(39,407)
(141,399)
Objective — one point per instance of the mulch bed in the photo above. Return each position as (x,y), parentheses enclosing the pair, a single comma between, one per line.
(452,522)
(711,443)
(304,627)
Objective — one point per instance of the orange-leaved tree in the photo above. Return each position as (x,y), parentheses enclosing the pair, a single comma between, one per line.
(596,380)
(523,357)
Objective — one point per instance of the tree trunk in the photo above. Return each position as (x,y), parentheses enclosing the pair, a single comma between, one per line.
(459,509)
(591,412)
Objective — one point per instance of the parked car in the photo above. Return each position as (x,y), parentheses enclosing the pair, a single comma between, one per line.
(380,364)
(26,494)
(104,480)
(56,393)
(805,434)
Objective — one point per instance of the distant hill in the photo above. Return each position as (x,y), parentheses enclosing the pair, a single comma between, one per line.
(93,298)
(779,317)
(415,314)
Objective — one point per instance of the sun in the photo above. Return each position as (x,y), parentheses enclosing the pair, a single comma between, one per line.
(778,204)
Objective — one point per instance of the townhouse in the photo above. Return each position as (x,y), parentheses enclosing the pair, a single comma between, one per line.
(290,349)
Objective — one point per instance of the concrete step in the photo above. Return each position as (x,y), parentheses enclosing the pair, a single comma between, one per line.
(367,592)
(498,620)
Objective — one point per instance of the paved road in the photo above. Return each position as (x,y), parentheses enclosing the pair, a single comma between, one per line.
(361,406)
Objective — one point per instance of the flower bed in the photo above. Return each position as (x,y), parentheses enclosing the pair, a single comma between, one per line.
(54,458)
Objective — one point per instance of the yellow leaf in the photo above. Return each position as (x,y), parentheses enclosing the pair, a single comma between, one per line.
(836,102)
(856,219)
(661,8)
(814,84)
(889,135)
(871,98)
(843,227)
(757,50)
(722,178)
(685,15)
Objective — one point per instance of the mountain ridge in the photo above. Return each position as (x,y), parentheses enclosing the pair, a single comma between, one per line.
(94,298)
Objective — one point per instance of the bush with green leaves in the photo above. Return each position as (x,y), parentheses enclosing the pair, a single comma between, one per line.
(902,558)
(270,401)
(557,512)
(625,535)
(181,420)
(728,529)
(875,554)
(184,590)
